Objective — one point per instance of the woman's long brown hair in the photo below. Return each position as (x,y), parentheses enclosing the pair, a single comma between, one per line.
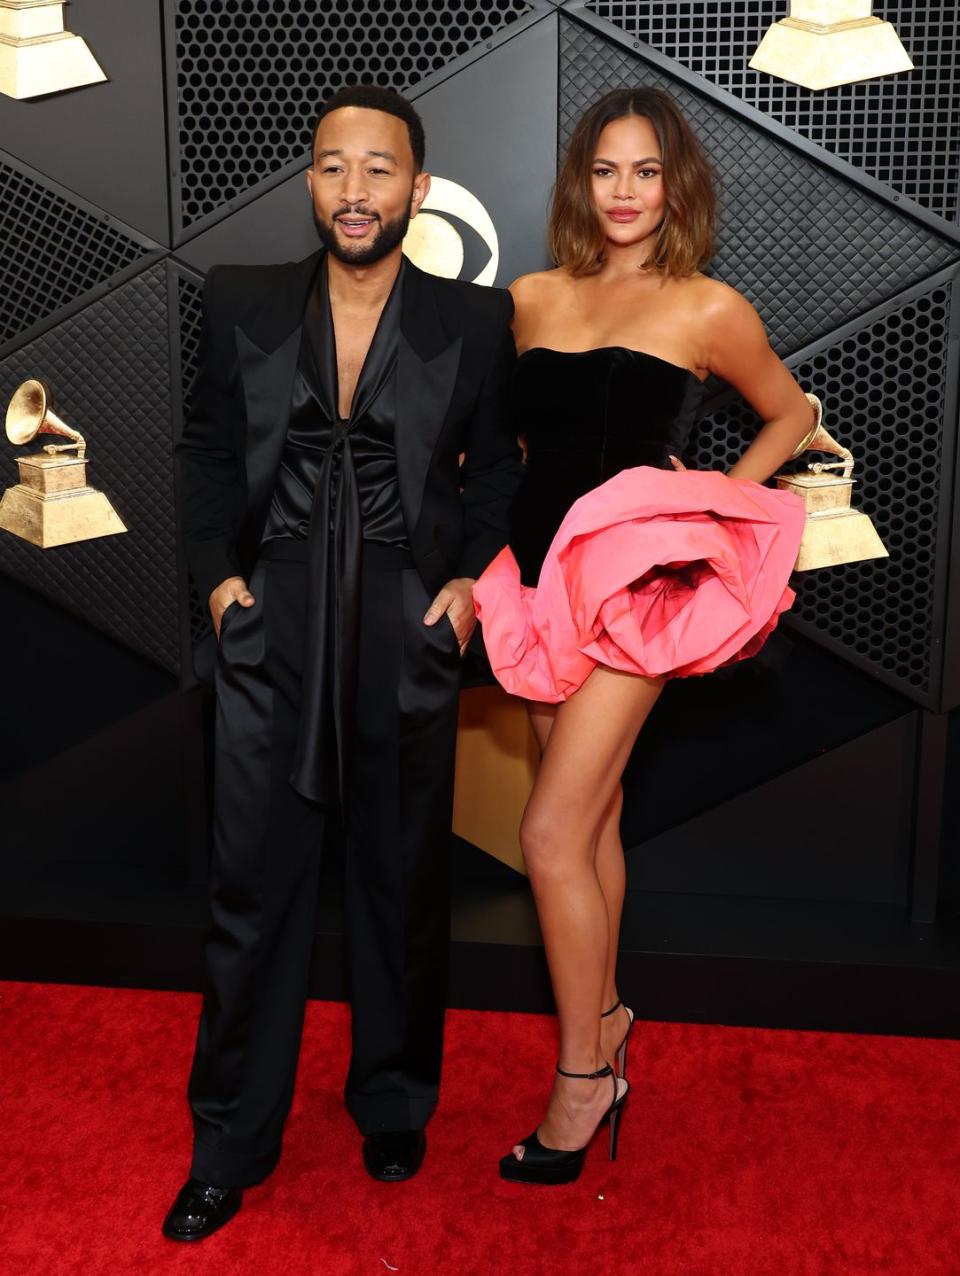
(684,241)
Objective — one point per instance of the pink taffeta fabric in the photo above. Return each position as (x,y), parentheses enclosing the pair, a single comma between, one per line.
(655,572)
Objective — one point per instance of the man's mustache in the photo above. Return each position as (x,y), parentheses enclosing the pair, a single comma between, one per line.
(355,212)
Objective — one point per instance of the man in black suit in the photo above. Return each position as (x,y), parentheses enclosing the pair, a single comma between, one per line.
(345,472)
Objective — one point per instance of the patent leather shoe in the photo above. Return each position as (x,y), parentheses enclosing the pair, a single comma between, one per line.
(395,1155)
(200,1210)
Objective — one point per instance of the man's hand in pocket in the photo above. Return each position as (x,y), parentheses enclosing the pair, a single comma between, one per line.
(229,591)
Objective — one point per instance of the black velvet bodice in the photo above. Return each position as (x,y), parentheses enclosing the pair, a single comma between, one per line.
(585,416)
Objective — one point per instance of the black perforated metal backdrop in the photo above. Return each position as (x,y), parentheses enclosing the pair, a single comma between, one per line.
(900,129)
(53,250)
(251,76)
(818,192)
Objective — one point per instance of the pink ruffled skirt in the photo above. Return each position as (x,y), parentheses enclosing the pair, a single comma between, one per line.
(655,572)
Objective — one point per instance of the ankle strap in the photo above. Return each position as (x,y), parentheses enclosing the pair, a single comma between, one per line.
(615,1006)
(605,1071)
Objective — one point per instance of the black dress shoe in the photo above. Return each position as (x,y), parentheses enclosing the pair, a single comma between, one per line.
(394,1156)
(200,1210)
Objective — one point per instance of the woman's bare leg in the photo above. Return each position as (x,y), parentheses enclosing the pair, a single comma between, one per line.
(586,751)
(612,872)
(612,876)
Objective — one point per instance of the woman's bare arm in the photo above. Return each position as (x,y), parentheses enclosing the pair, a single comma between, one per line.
(738,351)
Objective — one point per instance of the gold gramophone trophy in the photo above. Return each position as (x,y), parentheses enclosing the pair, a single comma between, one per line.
(834,532)
(52,504)
(37,56)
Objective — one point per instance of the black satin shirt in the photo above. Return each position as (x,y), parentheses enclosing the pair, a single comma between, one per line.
(315,428)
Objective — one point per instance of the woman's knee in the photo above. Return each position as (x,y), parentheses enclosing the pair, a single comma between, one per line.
(546,846)
(551,848)
(535,840)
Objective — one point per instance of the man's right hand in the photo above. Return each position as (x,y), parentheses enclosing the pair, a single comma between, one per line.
(229,591)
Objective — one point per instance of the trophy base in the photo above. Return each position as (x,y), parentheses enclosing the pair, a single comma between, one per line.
(59,519)
(829,540)
(805,54)
(50,64)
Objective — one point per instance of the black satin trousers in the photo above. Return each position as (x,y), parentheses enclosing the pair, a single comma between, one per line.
(267,845)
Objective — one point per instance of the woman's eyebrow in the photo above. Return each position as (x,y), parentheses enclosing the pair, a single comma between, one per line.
(650,159)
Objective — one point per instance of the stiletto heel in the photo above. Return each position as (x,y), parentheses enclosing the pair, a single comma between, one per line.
(541,1164)
(620,1055)
(615,1130)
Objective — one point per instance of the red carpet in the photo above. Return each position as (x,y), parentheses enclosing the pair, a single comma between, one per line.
(742,1152)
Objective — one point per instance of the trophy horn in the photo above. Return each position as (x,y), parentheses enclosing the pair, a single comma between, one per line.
(30,414)
(52,504)
(834,533)
(819,439)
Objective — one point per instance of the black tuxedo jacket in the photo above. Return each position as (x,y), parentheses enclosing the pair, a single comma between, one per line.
(454,362)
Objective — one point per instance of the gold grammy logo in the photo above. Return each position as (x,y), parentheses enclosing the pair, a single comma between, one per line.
(433,242)
(37,56)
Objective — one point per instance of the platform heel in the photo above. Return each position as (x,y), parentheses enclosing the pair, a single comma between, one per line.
(545,1165)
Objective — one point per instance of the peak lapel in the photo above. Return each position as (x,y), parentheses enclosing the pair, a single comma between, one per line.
(428,360)
(267,352)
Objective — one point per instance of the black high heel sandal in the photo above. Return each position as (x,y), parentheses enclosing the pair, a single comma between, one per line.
(555,1165)
(620,1055)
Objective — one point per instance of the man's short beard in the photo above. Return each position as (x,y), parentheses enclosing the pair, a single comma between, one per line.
(389,237)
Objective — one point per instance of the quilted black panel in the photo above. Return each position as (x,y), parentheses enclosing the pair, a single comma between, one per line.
(53,251)
(109,370)
(884,390)
(904,130)
(810,251)
(252,76)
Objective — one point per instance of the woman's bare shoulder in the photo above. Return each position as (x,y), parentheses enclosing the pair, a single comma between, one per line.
(538,284)
(717,300)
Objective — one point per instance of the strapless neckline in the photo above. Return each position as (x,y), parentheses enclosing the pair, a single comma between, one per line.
(585,415)
(640,354)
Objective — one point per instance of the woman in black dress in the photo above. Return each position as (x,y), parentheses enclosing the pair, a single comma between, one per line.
(652,572)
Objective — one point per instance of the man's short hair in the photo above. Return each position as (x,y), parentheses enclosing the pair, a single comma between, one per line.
(374,98)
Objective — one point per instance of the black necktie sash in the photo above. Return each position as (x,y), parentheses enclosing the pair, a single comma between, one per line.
(335,558)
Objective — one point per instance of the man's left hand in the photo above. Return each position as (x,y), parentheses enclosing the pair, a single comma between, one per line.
(455,601)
